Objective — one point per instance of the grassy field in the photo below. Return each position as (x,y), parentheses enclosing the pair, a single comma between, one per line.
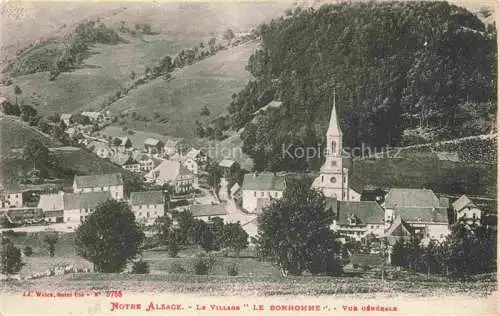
(63,164)
(210,82)
(254,278)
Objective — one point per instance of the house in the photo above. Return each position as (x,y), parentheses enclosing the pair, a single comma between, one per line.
(192,160)
(66,119)
(172,173)
(126,162)
(399,230)
(52,206)
(15,198)
(421,209)
(259,189)
(207,211)
(146,162)
(101,149)
(78,206)
(170,147)
(153,146)
(358,219)
(465,211)
(333,179)
(95,117)
(100,183)
(147,206)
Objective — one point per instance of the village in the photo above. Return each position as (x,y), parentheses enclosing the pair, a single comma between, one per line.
(177,178)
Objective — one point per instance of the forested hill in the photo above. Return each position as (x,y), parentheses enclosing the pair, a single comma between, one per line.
(395,66)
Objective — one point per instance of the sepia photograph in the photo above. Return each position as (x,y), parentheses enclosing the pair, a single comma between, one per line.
(248,157)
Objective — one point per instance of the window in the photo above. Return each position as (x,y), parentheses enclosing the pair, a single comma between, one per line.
(333,180)
(68,219)
(261,193)
(255,193)
(140,206)
(147,214)
(334,147)
(276,194)
(154,206)
(140,214)
(441,236)
(371,226)
(322,179)
(345,179)
(334,163)
(81,218)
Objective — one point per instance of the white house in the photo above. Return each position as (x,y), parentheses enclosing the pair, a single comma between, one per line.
(358,219)
(466,211)
(52,206)
(259,189)
(206,211)
(100,183)
(170,147)
(174,174)
(147,206)
(421,209)
(78,206)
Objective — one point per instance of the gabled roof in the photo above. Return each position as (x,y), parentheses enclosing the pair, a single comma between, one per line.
(462,203)
(399,228)
(169,170)
(208,210)
(98,180)
(124,140)
(65,117)
(367,212)
(192,153)
(152,142)
(411,198)
(171,143)
(226,163)
(235,188)
(51,202)
(146,197)
(57,213)
(265,181)
(74,201)
(333,126)
(423,214)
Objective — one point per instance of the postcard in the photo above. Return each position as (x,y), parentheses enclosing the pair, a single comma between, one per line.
(248,157)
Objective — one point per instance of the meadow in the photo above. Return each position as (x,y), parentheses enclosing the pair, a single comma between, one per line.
(255,278)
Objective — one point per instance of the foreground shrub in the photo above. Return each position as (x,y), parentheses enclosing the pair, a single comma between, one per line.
(140,267)
(203,264)
(232,270)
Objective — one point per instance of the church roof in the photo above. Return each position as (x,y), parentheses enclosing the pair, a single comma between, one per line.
(333,127)
(367,212)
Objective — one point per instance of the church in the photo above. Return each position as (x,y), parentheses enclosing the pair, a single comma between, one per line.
(333,179)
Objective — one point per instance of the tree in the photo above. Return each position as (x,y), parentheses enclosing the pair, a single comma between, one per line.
(11,262)
(168,235)
(27,112)
(203,236)
(228,35)
(116,141)
(17,92)
(51,240)
(217,227)
(235,237)
(294,232)
(36,152)
(109,237)
(205,111)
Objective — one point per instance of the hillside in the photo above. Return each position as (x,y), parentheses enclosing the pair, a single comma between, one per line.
(210,82)
(62,164)
(426,66)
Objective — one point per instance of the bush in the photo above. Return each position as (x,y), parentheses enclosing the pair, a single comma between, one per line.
(365,267)
(28,251)
(203,264)
(140,267)
(232,270)
(177,268)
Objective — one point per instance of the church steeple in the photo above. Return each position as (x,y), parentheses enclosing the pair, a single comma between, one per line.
(334,128)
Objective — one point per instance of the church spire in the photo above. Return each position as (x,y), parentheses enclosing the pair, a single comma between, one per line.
(334,128)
